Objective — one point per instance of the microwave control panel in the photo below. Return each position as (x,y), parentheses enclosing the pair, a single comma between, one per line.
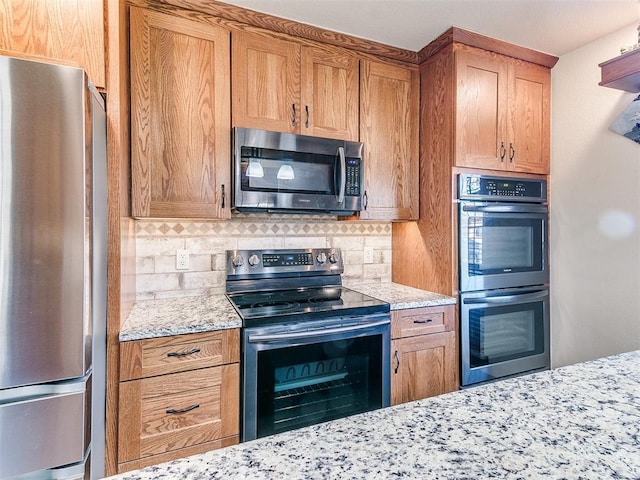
(483,187)
(352,186)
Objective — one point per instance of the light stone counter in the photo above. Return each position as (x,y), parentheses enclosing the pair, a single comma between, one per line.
(400,297)
(175,316)
(580,422)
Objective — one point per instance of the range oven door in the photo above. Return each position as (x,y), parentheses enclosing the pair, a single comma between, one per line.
(503,333)
(303,374)
(502,245)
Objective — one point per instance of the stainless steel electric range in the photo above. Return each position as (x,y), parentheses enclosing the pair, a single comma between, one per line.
(312,350)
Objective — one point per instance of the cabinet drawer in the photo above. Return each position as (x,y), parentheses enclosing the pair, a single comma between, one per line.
(172,412)
(421,321)
(159,356)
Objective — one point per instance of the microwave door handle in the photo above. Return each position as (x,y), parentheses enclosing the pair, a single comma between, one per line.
(505,208)
(343,175)
(523,297)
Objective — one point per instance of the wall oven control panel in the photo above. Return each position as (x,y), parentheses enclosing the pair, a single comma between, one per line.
(484,187)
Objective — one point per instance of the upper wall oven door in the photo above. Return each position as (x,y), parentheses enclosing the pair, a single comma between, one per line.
(502,245)
(276,171)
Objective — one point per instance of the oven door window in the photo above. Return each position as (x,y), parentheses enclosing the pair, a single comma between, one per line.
(266,170)
(502,333)
(498,245)
(309,384)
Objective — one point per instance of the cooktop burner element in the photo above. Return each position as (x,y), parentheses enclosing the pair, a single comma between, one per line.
(279,286)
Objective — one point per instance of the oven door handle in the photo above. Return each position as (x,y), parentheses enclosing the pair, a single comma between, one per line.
(519,297)
(505,208)
(279,337)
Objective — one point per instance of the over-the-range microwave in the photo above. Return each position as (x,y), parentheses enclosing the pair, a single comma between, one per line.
(284,172)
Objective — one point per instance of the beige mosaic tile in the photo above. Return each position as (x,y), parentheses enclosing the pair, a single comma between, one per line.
(207,242)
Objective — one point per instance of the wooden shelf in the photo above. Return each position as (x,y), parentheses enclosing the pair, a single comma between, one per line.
(622,72)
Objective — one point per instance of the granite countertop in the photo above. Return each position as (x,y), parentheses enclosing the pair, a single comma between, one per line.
(401,297)
(175,316)
(577,422)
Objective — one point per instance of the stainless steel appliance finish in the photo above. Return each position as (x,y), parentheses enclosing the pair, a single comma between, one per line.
(504,332)
(275,172)
(53,271)
(312,350)
(503,274)
(503,242)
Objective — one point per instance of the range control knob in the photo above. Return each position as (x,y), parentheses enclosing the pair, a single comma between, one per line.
(334,257)
(254,259)
(237,261)
(321,258)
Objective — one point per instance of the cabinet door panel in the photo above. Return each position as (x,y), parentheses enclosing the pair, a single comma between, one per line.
(529,119)
(266,83)
(389,129)
(481,139)
(180,117)
(330,96)
(427,366)
(69,30)
(209,398)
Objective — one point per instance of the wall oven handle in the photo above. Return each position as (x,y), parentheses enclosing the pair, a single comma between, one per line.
(280,337)
(343,175)
(506,208)
(522,297)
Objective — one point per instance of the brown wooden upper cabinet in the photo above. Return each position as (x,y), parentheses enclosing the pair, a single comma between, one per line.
(180,117)
(57,29)
(389,108)
(502,113)
(282,86)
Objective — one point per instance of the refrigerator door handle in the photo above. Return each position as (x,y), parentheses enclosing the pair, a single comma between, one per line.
(32,391)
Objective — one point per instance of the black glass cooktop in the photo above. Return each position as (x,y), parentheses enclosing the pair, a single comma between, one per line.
(259,308)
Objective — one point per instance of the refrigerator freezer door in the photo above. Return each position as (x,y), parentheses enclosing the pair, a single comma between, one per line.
(45,326)
(44,426)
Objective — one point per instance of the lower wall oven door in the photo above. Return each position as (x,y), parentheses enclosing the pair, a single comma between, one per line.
(503,333)
(311,372)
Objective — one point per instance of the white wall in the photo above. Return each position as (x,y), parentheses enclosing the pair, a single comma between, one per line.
(595,211)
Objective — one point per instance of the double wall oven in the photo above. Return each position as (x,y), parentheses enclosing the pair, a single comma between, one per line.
(504,277)
(312,349)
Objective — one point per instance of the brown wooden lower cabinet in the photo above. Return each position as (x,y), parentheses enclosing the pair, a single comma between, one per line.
(423,365)
(173,415)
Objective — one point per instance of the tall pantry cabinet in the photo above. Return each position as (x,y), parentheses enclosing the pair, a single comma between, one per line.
(485,108)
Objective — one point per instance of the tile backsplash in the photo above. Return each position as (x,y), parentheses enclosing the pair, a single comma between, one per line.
(366,248)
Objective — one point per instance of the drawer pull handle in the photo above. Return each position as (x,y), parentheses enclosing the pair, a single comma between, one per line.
(397,361)
(183,354)
(426,320)
(183,410)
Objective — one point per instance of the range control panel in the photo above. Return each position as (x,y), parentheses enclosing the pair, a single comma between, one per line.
(483,187)
(317,261)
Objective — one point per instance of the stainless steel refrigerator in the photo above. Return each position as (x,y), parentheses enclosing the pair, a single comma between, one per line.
(52,272)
